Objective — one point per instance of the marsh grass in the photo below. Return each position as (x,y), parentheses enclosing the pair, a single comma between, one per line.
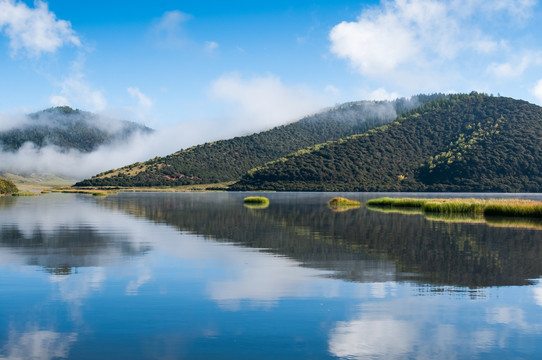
(401,203)
(514,208)
(454,206)
(489,207)
(256,200)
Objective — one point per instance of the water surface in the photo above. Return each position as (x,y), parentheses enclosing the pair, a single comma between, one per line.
(171,276)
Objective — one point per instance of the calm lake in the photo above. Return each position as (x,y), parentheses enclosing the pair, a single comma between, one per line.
(201,276)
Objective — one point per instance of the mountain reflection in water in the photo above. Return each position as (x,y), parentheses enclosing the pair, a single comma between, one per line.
(359,245)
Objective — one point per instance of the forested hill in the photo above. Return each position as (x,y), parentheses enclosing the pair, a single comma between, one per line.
(460,143)
(228,160)
(67,129)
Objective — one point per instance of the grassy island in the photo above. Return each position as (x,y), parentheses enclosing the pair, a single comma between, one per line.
(341,202)
(489,207)
(256,202)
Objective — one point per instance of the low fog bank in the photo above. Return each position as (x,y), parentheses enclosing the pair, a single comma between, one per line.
(79,165)
(383,110)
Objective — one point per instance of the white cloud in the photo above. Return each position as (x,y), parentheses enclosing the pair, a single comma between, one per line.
(263,102)
(379,94)
(537,91)
(34,30)
(143,100)
(425,45)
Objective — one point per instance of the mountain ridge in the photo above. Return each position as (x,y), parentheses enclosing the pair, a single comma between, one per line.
(463,142)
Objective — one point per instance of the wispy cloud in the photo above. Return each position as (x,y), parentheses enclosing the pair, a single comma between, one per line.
(262,102)
(143,100)
(167,31)
(75,90)
(34,31)
(517,65)
(211,46)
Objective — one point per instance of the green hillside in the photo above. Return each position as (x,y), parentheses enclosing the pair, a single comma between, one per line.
(228,160)
(469,142)
(68,129)
(7,187)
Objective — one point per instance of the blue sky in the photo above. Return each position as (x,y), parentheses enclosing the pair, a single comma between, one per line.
(233,67)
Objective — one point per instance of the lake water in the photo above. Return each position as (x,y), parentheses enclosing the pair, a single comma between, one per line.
(200,276)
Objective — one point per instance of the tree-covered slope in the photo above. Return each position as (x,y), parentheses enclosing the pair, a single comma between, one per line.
(67,129)
(228,160)
(460,143)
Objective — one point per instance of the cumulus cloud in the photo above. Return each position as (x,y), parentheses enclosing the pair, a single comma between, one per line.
(34,30)
(264,101)
(427,44)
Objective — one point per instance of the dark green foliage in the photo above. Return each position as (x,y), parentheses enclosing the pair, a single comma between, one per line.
(228,160)
(68,129)
(7,187)
(469,142)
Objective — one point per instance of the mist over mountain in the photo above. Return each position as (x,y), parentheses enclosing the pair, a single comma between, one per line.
(463,142)
(228,160)
(66,129)
(69,143)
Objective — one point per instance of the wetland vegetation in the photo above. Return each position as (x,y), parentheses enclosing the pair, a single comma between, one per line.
(486,207)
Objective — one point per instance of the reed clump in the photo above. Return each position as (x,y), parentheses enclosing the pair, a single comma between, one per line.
(489,207)
(256,200)
(343,202)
